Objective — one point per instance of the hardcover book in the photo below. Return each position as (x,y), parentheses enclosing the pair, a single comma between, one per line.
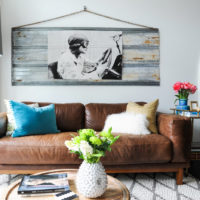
(45,183)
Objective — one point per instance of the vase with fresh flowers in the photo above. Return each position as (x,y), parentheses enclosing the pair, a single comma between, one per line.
(183,90)
(91,178)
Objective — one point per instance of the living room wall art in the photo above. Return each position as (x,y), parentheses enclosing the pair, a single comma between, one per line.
(85,56)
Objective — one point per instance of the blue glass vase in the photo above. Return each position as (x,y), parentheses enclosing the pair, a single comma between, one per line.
(182,105)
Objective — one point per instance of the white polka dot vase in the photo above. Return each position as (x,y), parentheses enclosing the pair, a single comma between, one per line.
(91,180)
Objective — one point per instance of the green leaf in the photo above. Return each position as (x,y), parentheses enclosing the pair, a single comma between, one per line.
(115,139)
(106,134)
(88,132)
(110,130)
(81,157)
(175,101)
(103,134)
(97,155)
(109,148)
(77,140)
(97,160)
(95,140)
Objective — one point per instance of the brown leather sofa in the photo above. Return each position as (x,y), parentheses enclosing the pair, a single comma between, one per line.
(168,151)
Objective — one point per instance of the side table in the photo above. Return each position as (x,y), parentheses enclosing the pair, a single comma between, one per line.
(195,160)
(192,117)
(194,155)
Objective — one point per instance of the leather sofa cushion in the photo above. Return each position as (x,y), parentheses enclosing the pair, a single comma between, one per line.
(37,149)
(138,149)
(96,113)
(69,116)
(50,149)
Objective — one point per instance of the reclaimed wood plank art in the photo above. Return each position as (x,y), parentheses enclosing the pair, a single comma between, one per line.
(34,51)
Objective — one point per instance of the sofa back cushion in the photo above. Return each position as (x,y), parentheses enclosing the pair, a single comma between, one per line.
(69,116)
(96,113)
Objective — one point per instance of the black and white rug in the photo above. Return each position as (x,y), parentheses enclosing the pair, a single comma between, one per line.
(154,186)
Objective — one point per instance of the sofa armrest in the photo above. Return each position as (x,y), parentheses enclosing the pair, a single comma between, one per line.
(3,124)
(179,130)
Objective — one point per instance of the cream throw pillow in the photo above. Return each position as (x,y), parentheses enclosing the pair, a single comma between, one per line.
(148,109)
(127,123)
(11,120)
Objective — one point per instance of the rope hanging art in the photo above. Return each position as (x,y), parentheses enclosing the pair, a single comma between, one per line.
(87,11)
(116,56)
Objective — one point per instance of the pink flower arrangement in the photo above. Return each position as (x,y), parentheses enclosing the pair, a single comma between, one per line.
(184,89)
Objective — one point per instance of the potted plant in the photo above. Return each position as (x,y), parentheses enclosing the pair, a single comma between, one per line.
(183,90)
(91,178)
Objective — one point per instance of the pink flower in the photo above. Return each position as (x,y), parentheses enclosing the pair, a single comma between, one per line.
(184,89)
(182,86)
(193,89)
(186,85)
(177,86)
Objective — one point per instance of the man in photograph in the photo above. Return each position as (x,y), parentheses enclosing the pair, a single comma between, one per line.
(73,64)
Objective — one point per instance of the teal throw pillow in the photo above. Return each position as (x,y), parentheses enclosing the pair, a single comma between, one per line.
(32,121)
(10,117)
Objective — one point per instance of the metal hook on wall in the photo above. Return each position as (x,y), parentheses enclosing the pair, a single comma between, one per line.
(85,8)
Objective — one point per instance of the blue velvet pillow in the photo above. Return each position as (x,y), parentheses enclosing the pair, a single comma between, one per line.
(32,121)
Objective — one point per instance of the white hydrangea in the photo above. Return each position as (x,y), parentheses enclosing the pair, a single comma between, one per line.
(71,146)
(85,148)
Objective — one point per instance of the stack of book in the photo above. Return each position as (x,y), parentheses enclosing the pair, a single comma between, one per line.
(46,184)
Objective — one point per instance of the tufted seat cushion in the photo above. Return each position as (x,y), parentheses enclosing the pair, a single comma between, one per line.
(50,149)
(37,149)
(137,149)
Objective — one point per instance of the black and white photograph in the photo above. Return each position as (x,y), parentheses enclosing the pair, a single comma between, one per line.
(85,55)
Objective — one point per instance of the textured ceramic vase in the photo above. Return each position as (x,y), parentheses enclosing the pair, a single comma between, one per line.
(91,180)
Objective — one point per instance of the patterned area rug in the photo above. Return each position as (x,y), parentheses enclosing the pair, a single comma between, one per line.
(153,186)
(160,186)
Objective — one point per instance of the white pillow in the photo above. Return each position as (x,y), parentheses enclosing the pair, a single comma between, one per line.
(11,120)
(125,122)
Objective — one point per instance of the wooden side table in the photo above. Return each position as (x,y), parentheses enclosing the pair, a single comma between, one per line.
(115,189)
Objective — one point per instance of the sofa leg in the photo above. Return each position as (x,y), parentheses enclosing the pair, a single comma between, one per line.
(179,176)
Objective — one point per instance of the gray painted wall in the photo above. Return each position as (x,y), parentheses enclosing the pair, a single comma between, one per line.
(178,22)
